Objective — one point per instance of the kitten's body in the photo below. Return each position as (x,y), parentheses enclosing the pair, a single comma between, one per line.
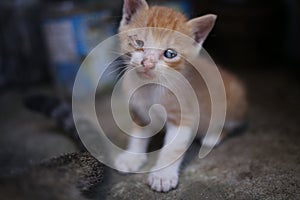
(149,95)
(150,63)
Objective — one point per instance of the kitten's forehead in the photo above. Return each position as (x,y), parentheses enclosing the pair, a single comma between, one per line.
(162,17)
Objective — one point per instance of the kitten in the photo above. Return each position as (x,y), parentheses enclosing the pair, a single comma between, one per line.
(149,64)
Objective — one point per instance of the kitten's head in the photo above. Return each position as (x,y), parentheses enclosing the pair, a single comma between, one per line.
(164,44)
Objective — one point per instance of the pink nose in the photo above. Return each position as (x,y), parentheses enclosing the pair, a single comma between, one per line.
(148,63)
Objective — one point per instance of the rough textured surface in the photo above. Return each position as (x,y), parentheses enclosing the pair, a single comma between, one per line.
(261,163)
(70,176)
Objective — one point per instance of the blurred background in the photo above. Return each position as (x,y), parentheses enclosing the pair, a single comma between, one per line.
(45,41)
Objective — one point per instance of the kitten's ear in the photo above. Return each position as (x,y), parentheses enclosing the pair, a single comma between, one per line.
(201,26)
(130,7)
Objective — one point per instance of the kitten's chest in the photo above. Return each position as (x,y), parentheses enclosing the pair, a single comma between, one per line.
(147,96)
(144,98)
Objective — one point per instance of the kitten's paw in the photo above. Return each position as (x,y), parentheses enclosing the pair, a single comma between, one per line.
(211,141)
(126,162)
(163,180)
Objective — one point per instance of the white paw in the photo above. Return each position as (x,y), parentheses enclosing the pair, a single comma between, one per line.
(163,180)
(126,162)
(211,141)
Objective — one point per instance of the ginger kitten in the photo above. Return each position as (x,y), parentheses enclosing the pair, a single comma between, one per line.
(168,52)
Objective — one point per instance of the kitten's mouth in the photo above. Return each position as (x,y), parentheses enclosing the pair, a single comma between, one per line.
(146,74)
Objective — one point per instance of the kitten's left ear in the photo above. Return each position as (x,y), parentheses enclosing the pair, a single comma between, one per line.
(130,7)
(201,27)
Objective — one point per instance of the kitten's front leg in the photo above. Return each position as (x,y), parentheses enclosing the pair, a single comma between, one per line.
(166,179)
(126,162)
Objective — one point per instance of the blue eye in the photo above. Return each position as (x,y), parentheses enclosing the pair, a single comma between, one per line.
(170,53)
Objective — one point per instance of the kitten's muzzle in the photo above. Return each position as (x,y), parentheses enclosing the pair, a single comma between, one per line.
(148,63)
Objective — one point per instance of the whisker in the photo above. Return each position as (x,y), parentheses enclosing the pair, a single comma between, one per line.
(126,68)
(113,71)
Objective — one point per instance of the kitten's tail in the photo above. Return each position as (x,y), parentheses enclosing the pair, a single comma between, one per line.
(57,110)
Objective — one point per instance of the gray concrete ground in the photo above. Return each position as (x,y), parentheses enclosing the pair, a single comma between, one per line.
(261,163)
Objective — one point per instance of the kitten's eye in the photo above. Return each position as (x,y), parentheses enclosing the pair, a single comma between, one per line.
(139,43)
(170,53)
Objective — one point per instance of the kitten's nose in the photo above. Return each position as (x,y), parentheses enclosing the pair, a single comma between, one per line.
(148,63)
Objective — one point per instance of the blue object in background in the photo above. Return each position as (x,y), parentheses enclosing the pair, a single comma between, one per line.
(69,40)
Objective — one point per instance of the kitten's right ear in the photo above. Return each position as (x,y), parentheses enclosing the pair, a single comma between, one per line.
(130,8)
(201,26)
